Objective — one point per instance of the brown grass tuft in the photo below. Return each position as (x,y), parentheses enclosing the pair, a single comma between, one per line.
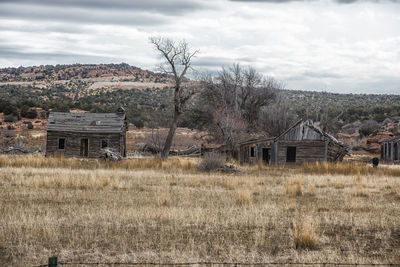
(243,196)
(164,197)
(304,234)
(211,162)
(294,187)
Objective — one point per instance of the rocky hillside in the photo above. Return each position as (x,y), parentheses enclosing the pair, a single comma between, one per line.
(27,94)
(116,76)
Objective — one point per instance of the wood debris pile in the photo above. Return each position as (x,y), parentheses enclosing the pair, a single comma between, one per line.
(110,154)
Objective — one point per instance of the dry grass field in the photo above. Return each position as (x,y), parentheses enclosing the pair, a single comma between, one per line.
(148,210)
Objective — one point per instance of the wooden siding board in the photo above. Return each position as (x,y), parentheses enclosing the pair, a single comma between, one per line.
(73,143)
(305,150)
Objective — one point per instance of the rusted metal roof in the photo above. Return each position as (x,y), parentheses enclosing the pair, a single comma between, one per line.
(86,122)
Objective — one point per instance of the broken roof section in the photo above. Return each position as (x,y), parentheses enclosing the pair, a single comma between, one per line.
(86,122)
(300,131)
(306,130)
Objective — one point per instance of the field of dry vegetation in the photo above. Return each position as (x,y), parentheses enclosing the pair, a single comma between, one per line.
(148,210)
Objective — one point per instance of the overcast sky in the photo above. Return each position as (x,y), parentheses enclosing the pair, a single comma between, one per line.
(345,46)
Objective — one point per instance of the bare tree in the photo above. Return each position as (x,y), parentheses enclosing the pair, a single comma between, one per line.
(156,139)
(177,61)
(276,118)
(240,95)
(228,128)
(243,91)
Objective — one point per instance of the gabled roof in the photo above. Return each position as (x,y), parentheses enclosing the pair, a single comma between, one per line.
(86,122)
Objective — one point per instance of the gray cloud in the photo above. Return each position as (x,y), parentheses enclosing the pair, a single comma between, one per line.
(212,61)
(337,1)
(21,52)
(70,28)
(316,74)
(167,7)
(76,15)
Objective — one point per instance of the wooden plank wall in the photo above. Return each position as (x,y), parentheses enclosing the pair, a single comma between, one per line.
(258,146)
(305,150)
(389,151)
(73,143)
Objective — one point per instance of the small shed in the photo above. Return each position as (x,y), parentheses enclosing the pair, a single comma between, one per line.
(390,149)
(85,134)
(303,142)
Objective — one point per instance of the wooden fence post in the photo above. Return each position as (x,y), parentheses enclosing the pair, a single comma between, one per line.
(52,262)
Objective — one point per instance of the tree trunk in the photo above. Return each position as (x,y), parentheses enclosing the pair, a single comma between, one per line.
(171,133)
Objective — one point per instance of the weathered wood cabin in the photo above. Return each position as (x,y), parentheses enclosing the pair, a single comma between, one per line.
(390,149)
(85,134)
(303,142)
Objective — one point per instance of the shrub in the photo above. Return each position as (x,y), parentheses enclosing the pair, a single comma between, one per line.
(30,126)
(10,118)
(10,127)
(8,134)
(138,123)
(10,110)
(31,114)
(211,162)
(366,131)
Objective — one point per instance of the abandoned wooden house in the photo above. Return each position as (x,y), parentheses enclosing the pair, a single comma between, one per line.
(86,134)
(390,149)
(303,142)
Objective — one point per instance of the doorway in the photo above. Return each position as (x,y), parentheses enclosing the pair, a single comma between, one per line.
(266,155)
(84,147)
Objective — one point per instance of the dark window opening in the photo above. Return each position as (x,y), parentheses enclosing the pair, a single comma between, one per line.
(291,154)
(266,155)
(252,154)
(61,143)
(104,143)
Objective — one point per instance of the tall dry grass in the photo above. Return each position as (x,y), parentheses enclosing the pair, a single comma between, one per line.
(173,215)
(348,168)
(59,161)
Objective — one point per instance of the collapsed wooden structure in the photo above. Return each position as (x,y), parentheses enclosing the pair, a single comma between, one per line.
(303,142)
(86,134)
(390,149)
